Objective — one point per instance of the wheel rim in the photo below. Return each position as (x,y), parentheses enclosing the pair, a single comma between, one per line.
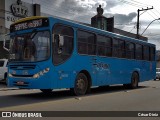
(81,86)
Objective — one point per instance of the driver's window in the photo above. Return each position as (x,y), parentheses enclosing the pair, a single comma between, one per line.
(62,43)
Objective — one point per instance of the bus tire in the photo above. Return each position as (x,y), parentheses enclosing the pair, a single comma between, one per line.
(81,85)
(46,91)
(134,80)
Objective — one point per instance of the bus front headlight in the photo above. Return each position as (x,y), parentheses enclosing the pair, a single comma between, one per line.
(36,75)
(10,75)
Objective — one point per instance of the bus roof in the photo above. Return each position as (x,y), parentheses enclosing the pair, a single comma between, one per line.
(29,18)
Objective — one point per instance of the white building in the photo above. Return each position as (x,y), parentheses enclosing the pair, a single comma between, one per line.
(10,11)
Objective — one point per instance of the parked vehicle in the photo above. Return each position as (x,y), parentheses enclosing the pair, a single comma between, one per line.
(3,70)
(157,73)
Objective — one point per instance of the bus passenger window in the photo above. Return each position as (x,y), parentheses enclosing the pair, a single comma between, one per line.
(152,54)
(108,46)
(145,52)
(115,48)
(104,45)
(101,45)
(130,50)
(91,45)
(138,52)
(122,51)
(86,43)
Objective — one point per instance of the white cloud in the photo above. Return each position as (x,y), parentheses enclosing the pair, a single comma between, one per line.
(83,10)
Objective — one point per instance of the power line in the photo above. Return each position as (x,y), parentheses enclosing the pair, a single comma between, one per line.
(132,28)
(66,9)
(149,25)
(129,3)
(54,9)
(152,16)
(137,4)
(157,11)
(146,5)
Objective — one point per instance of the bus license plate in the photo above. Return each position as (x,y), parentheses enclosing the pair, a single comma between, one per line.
(20,83)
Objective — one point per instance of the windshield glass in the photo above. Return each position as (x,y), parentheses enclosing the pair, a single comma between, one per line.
(1,63)
(30,47)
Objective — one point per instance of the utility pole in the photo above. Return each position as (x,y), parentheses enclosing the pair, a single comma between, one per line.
(138,19)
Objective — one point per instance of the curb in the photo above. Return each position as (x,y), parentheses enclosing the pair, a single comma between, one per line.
(6,89)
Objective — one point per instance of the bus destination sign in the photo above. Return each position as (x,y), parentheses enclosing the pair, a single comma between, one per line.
(29,24)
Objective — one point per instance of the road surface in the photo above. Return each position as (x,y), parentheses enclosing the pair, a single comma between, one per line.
(114,98)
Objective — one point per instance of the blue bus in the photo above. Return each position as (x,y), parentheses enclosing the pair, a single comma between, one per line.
(49,53)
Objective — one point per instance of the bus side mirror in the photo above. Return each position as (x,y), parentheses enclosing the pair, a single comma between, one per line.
(59,40)
(6,42)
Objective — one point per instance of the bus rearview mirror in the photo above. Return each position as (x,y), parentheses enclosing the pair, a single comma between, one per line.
(6,42)
(59,40)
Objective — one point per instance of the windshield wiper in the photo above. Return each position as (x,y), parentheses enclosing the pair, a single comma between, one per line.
(34,32)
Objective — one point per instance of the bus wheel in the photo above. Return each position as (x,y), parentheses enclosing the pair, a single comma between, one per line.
(46,90)
(134,80)
(81,84)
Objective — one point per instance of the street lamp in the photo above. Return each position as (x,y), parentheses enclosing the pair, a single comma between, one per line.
(150,24)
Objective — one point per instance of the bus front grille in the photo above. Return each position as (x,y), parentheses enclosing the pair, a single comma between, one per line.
(22,67)
(22,75)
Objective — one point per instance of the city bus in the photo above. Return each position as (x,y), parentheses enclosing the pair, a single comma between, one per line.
(49,53)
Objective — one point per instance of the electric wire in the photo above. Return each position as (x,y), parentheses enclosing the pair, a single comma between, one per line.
(146,5)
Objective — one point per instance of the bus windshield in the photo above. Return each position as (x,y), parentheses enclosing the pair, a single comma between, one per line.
(29,47)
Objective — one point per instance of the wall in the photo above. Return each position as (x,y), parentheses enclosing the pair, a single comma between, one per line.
(9,17)
(2,14)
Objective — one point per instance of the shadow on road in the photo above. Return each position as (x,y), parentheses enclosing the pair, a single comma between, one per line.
(24,99)
(3,85)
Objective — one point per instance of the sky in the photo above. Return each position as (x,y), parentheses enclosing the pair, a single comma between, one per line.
(124,12)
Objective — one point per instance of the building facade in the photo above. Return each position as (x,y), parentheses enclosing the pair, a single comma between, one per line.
(11,11)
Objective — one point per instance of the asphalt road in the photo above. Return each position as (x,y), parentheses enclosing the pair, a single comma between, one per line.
(114,98)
